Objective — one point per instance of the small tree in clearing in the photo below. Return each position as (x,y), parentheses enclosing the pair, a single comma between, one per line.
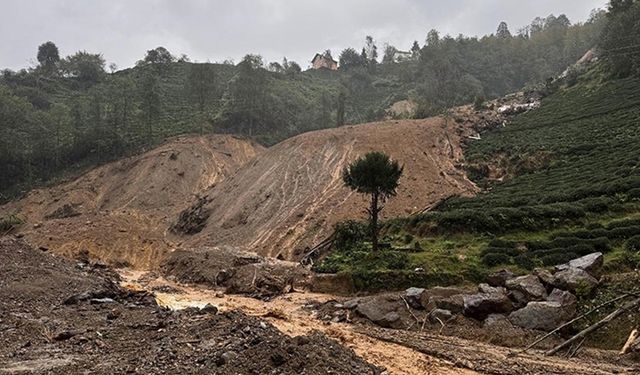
(377,175)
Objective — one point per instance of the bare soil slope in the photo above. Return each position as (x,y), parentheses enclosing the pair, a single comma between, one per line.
(119,212)
(59,318)
(291,196)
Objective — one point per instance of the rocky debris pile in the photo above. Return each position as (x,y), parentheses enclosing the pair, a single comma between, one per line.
(58,317)
(539,301)
(239,272)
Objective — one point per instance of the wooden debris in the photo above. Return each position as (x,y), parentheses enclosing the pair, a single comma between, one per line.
(632,341)
(604,321)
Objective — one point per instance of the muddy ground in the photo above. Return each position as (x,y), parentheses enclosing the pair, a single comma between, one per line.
(61,317)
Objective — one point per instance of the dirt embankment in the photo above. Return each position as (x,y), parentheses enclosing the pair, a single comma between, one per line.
(120,212)
(57,317)
(291,196)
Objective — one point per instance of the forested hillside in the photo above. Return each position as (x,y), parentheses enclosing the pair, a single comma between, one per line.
(69,112)
(559,182)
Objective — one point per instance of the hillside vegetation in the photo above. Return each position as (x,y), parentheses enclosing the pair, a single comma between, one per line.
(69,113)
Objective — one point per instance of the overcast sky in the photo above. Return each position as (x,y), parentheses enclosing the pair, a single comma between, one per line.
(215,30)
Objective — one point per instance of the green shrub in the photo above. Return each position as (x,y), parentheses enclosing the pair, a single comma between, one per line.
(349,233)
(494,259)
(557,258)
(9,223)
(525,262)
(633,244)
(623,232)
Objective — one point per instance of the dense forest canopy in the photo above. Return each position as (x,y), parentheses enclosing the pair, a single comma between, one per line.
(69,111)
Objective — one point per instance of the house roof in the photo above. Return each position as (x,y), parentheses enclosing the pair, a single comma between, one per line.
(319,55)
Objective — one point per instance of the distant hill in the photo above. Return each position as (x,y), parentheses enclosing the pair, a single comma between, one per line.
(56,120)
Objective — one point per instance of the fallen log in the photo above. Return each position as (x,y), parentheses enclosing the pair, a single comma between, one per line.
(631,341)
(576,319)
(604,321)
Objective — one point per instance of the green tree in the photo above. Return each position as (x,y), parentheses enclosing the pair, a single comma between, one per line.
(374,174)
(86,67)
(349,59)
(503,31)
(158,55)
(48,56)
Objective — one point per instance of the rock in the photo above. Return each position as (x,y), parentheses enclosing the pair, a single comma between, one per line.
(381,310)
(440,292)
(350,304)
(563,297)
(542,315)
(208,309)
(64,335)
(574,279)
(480,305)
(441,314)
(591,263)
(77,298)
(545,276)
(412,295)
(519,299)
(493,319)
(499,278)
(100,301)
(529,285)
(486,288)
(454,303)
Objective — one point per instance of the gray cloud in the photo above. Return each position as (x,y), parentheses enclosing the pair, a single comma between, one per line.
(122,30)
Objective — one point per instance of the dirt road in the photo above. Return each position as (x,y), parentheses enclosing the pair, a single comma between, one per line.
(399,351)
(287,314)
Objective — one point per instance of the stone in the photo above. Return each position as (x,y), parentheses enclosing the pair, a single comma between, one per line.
(545,276)
(529,285)
(440,292)
(563,297)
(351,304)
(412,295)
(499,278)
(101,300)
(441,314)
(574,279)
(542,315)
(454,303)
(519,299)
(493,319)
(209,309)
(486,288)
(591,263)
(480,305)
(381,310)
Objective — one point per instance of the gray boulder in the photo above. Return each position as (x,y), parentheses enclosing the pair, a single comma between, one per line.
(591,263)
(529,285)
(486,288)
(499,278)
(413,295)
(574,279)
(437,293)
(480,305)
(381,310)
(454,303)
(559,308)
(545,276)
(440,314)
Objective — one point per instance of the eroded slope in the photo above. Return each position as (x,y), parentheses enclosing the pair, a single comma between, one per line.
(291,196)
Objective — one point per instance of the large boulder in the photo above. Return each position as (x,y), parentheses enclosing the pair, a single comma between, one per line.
(486,288)
(413,295)
(438,292)
(530,287)
(454,303)
(574,279)
(480,305)
(546,315)
(381,310)
(499,278)
(591,263)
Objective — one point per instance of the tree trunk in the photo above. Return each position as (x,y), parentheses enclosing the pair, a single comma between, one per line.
(374,221)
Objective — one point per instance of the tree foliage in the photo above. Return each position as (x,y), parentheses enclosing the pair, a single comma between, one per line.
(48,55)
(373,174)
